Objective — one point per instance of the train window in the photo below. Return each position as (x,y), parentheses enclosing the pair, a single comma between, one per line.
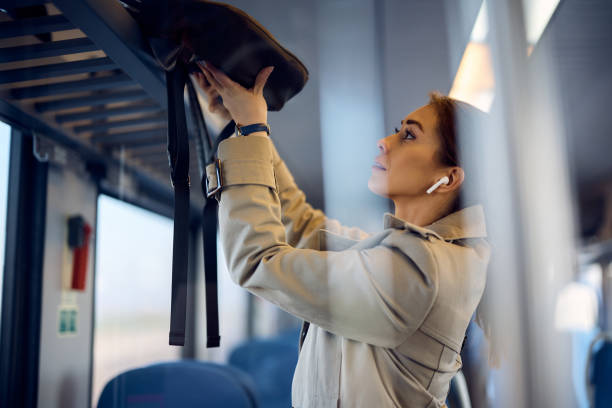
(5,139)
(132,292)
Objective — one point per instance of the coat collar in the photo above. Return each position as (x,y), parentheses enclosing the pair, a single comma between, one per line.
(468,222)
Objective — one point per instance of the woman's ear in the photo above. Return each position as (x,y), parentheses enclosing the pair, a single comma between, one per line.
(455,179)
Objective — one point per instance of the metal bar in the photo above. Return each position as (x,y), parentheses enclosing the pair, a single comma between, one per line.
(112,28)
(100,99)
(149,150)
(21,119)
(158,134)
(44,50)
(141,143)
(11,4)
(35,25)
(164,209)
(149,154)
(105,113)
(55,70)
(91,84)
(97,127)
(157,163)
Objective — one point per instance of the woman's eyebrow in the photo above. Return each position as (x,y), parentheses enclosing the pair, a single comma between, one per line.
(412,122)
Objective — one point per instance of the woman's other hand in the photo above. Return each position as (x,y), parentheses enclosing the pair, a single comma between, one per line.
(246,106)
(215,103)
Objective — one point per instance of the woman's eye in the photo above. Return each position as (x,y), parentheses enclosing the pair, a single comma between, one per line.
(408,136)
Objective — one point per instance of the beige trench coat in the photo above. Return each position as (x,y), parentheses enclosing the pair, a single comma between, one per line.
(388,311)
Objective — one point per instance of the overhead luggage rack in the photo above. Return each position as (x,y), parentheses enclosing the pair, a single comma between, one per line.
(78,72)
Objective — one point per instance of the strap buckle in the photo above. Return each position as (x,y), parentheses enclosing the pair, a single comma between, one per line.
(210,188)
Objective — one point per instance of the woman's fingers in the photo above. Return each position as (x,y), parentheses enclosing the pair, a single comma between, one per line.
(261,79)
(220,76)
(209,90)
(241,104)
(214,99)
(221,82)
(203,83)
(215,105)
(211,79)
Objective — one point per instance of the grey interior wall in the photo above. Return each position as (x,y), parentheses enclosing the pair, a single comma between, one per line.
(351,108)
(378,61)
(415,55)
(65,362)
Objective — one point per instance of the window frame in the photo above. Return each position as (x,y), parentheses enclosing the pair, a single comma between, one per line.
(23,273)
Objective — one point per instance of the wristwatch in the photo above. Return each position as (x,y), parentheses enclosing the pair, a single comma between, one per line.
(256,127)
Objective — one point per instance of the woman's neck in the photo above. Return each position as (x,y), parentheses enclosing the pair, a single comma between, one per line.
(422,210)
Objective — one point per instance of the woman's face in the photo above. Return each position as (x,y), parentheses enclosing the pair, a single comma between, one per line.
(408,162)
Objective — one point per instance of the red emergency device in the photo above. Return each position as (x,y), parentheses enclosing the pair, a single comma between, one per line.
(79,233)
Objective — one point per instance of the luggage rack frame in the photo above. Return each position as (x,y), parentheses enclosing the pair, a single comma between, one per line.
(78,72)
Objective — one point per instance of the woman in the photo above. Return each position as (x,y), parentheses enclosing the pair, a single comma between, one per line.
(388,312)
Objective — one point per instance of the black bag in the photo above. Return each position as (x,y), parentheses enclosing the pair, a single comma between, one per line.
(181,32)
(230,39)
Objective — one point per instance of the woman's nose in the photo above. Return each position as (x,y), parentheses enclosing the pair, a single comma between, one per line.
(382,145)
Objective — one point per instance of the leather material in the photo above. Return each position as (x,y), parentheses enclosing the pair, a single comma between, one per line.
(227,37)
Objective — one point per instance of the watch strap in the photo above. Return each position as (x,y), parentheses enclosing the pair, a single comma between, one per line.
(256,127)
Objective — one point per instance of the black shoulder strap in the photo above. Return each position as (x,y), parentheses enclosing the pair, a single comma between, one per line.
(206,150)
(209,240)
(178,156)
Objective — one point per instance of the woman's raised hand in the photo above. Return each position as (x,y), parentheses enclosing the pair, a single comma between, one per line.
(245,106)
(215,103)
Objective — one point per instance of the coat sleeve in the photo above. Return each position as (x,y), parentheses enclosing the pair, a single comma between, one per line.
(378,295)
(300,219)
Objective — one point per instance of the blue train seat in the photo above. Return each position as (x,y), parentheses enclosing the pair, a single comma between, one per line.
(271,363)
(458,394)
(183,384)
(601,376)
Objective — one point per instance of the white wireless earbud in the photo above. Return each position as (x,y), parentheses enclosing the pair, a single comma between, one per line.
(443,180)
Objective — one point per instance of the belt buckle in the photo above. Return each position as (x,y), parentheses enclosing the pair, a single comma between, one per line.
(209,192)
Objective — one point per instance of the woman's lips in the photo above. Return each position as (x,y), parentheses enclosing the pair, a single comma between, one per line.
(378,166)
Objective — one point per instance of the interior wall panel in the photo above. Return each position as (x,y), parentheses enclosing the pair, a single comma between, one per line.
(65,360)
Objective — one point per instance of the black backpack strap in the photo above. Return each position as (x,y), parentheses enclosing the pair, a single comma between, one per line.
(209,240)
(206,150)
(178,156)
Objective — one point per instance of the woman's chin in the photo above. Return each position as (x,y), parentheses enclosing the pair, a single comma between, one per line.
(377,186)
